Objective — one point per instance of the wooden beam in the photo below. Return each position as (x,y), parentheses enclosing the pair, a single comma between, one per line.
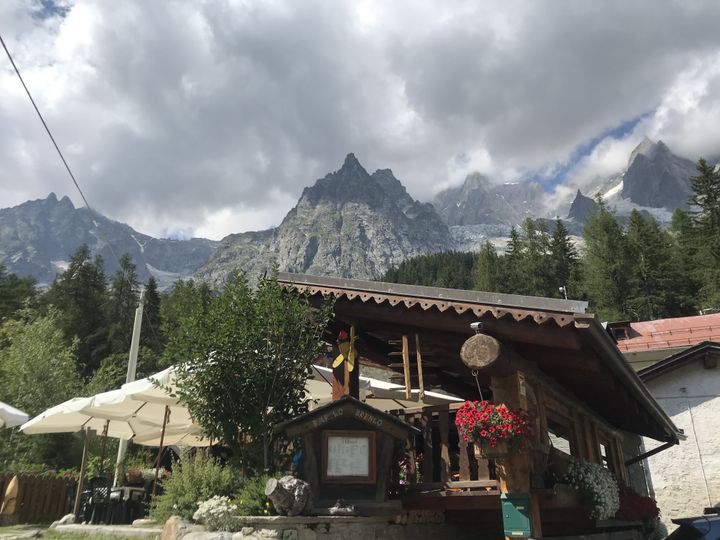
(406,366)
(485,353)
(527,331)
(421,385)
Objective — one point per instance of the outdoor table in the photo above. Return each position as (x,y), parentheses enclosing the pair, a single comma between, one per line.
(130,501)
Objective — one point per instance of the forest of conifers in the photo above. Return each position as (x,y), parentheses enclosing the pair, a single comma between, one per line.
(634,272)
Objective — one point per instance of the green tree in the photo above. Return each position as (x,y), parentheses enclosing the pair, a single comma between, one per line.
(14,292)
(652,277)
(450,269)
(151,335)
(605,266)
(685,263)
(37,371)
(487,273)
(80,294)
(513,263)
(706,231)
(564,264)
(122,302)
(246,362)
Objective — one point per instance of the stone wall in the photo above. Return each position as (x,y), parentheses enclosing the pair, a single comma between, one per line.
(686,478)
(323,528)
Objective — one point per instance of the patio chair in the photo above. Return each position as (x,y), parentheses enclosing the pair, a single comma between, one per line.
(100,507)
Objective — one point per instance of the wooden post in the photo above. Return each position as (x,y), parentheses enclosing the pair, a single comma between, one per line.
(514,471)
(444,428)
(83,468)
(418,355)
(103,448)
(160,450)
(344,381)
(406,367)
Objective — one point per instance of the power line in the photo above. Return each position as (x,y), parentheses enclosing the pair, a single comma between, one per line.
(27,91)
(65,163)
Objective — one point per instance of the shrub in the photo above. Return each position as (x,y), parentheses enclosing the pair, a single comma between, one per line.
(635,507)
(217,514)
(194,479)
(596,488)
(251,500)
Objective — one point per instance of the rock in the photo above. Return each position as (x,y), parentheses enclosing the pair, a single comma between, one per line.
(145,523)
(342,509)
(350,223)
(177,527)
(38,237)
(656,177)
(205,535)
(65,520)
(290,496)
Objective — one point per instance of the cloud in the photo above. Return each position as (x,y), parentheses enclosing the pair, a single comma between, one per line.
(211,117)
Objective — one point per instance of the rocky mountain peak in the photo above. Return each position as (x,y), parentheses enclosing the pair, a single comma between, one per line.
(656,177)
(581,208)
(349,223)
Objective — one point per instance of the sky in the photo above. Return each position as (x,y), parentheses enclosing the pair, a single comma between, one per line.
(205,118)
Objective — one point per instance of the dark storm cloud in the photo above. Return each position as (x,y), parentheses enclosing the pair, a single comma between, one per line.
(212,116)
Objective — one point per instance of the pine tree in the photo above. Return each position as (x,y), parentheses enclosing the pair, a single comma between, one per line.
(513,262)
(652,293)
(487,270)
(80,295)
(685,263)
(605,266)
(14,292)
(564,261)
(151,333)
(706,230)
(121,305)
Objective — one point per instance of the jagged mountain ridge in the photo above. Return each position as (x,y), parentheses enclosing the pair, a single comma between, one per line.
(349,223)
(657,178)
(478,201)
(38,237)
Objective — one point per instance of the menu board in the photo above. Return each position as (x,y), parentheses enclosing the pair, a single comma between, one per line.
(349,456)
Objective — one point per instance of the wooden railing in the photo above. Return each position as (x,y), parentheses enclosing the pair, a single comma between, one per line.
(439,459)
(36,498)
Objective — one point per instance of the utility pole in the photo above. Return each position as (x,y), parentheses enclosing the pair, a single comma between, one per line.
(132,368)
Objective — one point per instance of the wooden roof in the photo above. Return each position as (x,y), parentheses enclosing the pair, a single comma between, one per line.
(566,343)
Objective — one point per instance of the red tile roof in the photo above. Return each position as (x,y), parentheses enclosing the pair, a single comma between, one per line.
(671,333)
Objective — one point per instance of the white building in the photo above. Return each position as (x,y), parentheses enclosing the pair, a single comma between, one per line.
(685,479)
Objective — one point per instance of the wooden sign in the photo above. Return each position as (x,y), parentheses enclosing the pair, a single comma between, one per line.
(348,456)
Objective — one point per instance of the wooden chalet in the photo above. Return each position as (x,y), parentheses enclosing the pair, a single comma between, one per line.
(547,356)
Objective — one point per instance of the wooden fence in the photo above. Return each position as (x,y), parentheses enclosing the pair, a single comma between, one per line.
(438,457)
(36,498)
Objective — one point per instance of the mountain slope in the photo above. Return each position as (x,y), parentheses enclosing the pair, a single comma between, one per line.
(350,223)
(478,201)
(38,237)
(657,178)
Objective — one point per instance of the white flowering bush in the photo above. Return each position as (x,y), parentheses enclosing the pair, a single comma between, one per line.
(596,487)
(217,514)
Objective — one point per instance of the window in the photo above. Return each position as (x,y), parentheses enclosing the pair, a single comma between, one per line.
(561,433)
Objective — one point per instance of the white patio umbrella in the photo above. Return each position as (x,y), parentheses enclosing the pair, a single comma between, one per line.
(71,416)
(10,416)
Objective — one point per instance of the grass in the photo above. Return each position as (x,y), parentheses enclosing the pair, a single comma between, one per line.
(57,535)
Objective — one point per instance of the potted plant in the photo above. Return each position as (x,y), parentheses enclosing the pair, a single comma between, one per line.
(596,488)
(496,429)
